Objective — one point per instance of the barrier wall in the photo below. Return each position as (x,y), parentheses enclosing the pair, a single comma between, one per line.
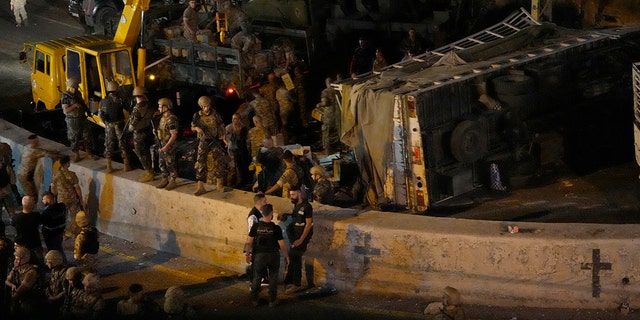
(544,265)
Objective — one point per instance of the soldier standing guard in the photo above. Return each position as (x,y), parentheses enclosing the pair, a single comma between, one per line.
(110,111)
(167,135)
(74,109)
(65,186)
(140,124)
(208,123)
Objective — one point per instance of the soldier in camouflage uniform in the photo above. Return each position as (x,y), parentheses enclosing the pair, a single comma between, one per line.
(261,107)
(330,118)
(322,189)
(66,187)
(55,290)
(301,92)
(287,110)
(87,301)
(110,111)
(255,136)
(22,281)
(268,91)
(208,123)
(86,246)
(28,162)
(167,135)
(74,109)
(289,178)
(140,124)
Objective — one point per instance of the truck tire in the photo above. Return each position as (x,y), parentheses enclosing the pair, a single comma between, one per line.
(106,21)
(513,85)
(468,141)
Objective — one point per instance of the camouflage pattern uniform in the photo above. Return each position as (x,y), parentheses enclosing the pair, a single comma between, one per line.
(27,168)
(25,300)
(110,111)
(264,109)
(7,180)
(57,284)
(140,124)
(323,191)
(77,128)
(254,139)
(288,179)
(268,91)
(63,186)
(213,127)
(287,109)
(85,305)
(330,121)
(86,261)
(301,92)
(167,160)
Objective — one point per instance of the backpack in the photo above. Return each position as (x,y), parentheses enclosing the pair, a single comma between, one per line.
(90,244)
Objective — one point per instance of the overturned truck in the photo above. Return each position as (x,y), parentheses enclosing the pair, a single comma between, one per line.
(489,111)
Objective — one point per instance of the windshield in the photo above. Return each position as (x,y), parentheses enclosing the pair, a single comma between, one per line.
(117,66)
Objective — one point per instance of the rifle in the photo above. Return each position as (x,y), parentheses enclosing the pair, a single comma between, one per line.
(206,134)
(125,129)
(67,300)
(155,134)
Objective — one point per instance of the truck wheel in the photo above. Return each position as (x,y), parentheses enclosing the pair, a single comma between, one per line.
(468,141)
(106,21)
(513,85)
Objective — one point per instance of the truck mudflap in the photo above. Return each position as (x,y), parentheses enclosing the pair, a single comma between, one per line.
(636,109)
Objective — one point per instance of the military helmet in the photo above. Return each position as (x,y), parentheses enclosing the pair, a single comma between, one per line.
(204,100)
(451,296)
(81,219)
(318,169)
(112,86)
(72,273)
(54,257)
(139,91)
(166,102)
(72,82)
(91,281)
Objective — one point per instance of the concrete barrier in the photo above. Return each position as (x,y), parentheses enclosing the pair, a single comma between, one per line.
(543,265)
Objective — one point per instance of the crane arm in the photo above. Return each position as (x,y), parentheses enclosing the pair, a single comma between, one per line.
(131,22)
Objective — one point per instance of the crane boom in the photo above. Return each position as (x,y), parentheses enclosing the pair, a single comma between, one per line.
(131,22)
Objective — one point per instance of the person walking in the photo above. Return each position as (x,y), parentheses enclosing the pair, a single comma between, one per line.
(65,186)
(140,123)
(264,241)
(167,134)
(19,12)
(299,232)
(212,139)
(75,111)
(53,217)
(111,112)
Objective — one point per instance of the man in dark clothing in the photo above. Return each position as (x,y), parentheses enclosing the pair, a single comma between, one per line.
(6,253)
(264,240)
(27,224)
(362,60)
(53,217)
(299,232)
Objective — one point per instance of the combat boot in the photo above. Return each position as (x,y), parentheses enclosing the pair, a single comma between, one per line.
(109,167)
(172,184)
(163,183)
(76,156)
(127,165)
(220,186)
(200,189)
(148,176)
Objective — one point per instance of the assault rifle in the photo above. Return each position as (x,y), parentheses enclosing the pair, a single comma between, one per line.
(214,140)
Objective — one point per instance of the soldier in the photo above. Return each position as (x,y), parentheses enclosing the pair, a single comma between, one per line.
(110,111)
(268,91)
(208,123)
(74,109)
(256,135)
(55,289)
(140,124)
(86,246)
(449,309)
(167,133)
(137,306)
(330,118)
(30,156)
(7,181)
(22,283)
(190,21)
(263,108)
(19,11)
(88,303)
(322,189)
(287,109)
(289,178)
(66,187)
(6,255)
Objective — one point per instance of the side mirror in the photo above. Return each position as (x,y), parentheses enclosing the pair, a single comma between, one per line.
(22,56)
